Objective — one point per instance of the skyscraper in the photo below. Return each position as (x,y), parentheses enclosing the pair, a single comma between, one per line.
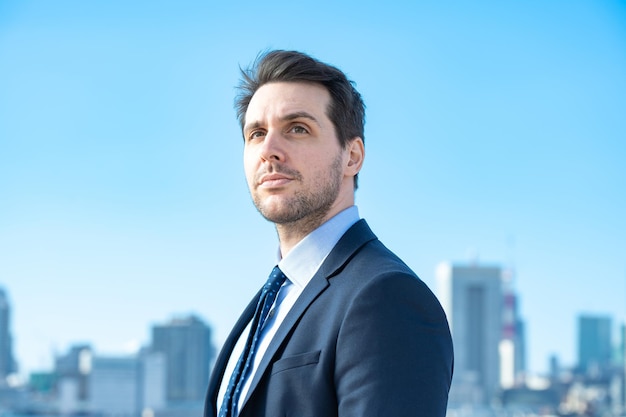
(512,345)
(72,370)
(186,345)
(115,386)
(594,343)
(7,362)
(471,295)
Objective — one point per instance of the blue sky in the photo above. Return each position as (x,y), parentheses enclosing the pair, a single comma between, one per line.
(494,132)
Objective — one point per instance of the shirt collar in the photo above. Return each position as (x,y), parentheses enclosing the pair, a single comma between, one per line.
(303,261)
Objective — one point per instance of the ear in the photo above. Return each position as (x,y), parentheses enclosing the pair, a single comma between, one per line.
(356,154)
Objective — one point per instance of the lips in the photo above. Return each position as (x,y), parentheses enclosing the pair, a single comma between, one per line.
(273,180)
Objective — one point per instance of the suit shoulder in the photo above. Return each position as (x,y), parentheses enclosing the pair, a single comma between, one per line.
(376,257)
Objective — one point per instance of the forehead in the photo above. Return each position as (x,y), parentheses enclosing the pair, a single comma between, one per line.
(279,99)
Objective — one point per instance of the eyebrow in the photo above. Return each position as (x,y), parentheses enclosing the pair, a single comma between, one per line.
(287,118)
(299,115)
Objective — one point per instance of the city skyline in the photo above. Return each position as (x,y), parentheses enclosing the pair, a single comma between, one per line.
(160,378)
(494,132)
(169,373)
(133,349)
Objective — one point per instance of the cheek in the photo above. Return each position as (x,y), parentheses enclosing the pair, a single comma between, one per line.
(249,166)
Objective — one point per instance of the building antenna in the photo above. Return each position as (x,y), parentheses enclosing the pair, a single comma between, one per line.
(509,275)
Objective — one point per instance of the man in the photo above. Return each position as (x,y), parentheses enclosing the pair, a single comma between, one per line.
(353,331)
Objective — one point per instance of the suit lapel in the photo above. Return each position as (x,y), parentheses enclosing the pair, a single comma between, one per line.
(357,236)
(222,360)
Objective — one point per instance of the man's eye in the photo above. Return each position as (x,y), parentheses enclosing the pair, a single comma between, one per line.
(299,129)
(257,134)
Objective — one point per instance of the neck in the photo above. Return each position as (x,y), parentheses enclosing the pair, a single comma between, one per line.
(290,234)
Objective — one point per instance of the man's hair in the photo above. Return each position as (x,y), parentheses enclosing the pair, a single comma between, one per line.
(346,109)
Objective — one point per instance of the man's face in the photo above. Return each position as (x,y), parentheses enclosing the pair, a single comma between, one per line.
(293,161)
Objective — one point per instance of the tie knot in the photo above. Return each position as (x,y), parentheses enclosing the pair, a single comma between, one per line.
(275,280)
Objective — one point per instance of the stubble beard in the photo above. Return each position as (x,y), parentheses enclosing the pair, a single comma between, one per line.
(307,209)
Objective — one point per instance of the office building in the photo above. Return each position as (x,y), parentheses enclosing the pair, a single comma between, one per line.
(595,346)
(512,346)
(186,346)
(115,386)
(154,379)
(72,373)
(472,298)
(622,365)
(75,365)
(7,362)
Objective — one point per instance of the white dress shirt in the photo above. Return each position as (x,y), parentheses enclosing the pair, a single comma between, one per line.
(300,265)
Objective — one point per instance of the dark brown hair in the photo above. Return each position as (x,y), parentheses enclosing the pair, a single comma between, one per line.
(346,110)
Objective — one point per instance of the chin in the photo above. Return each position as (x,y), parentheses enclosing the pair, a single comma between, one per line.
(271,206)
(277,215)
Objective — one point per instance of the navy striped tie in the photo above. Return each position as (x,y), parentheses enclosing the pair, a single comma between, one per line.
(268,296)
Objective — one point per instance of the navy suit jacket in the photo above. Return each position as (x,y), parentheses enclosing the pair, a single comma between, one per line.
(365,338)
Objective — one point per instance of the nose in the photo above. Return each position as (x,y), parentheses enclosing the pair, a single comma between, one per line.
(273,147)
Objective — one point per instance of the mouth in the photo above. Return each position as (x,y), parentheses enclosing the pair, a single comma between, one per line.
(273,180)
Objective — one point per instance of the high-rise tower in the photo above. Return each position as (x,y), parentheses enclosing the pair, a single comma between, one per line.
(7,362)
(512,345)
(594,343)
(188,351)
(471,296)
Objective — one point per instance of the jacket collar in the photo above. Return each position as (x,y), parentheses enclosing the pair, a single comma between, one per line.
(355,238)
